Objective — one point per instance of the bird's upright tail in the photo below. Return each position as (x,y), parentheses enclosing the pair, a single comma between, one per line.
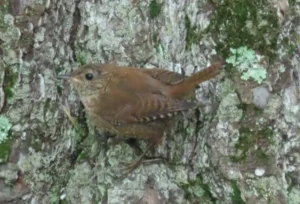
(179,90)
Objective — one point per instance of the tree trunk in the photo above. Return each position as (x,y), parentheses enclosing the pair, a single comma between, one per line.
(243,147)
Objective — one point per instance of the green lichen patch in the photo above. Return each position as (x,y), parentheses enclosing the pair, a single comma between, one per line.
(5,139)
(251,114)
(253,144)
(236,195)
(88,147)
(5,126)
(83,156)
(249,63)
(154,9)
(59,90)
(10,79)
(82,129)
(288,43)
(196,190)
(267,189)
(56,192)
(192,33)
(290,179)
(81,57)
(238,23)
(3,11)
(256,136)
(5,149)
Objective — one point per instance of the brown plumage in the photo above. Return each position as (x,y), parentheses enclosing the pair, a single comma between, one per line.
(133,102)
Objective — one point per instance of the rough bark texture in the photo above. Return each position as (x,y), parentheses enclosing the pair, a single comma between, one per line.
(242,148)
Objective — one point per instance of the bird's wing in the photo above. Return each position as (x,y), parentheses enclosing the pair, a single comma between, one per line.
(136,81)
(169,78)
(143,108)
(164,76)
(130,102)
(137,97)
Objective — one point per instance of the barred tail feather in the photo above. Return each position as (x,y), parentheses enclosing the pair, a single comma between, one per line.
(190,83)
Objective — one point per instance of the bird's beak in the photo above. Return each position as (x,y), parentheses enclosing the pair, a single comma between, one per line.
(64,77)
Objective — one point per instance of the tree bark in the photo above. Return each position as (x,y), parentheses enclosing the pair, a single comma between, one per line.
(243,147)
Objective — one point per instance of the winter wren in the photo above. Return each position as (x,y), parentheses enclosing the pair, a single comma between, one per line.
(136,103)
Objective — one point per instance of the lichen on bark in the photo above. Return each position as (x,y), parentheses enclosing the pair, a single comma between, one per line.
(241,148)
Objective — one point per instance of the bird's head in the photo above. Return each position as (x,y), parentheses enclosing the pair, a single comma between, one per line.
(89,79)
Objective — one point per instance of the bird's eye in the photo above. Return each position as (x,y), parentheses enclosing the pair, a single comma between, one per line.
(89,76)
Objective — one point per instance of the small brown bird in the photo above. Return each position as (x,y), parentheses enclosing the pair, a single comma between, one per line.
(136,103)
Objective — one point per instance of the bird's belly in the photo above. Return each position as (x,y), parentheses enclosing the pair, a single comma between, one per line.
(151,131)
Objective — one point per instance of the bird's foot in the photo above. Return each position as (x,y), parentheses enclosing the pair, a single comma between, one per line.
(129,167)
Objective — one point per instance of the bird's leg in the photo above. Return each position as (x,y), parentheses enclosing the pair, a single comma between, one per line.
(129,167)
(133,143)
